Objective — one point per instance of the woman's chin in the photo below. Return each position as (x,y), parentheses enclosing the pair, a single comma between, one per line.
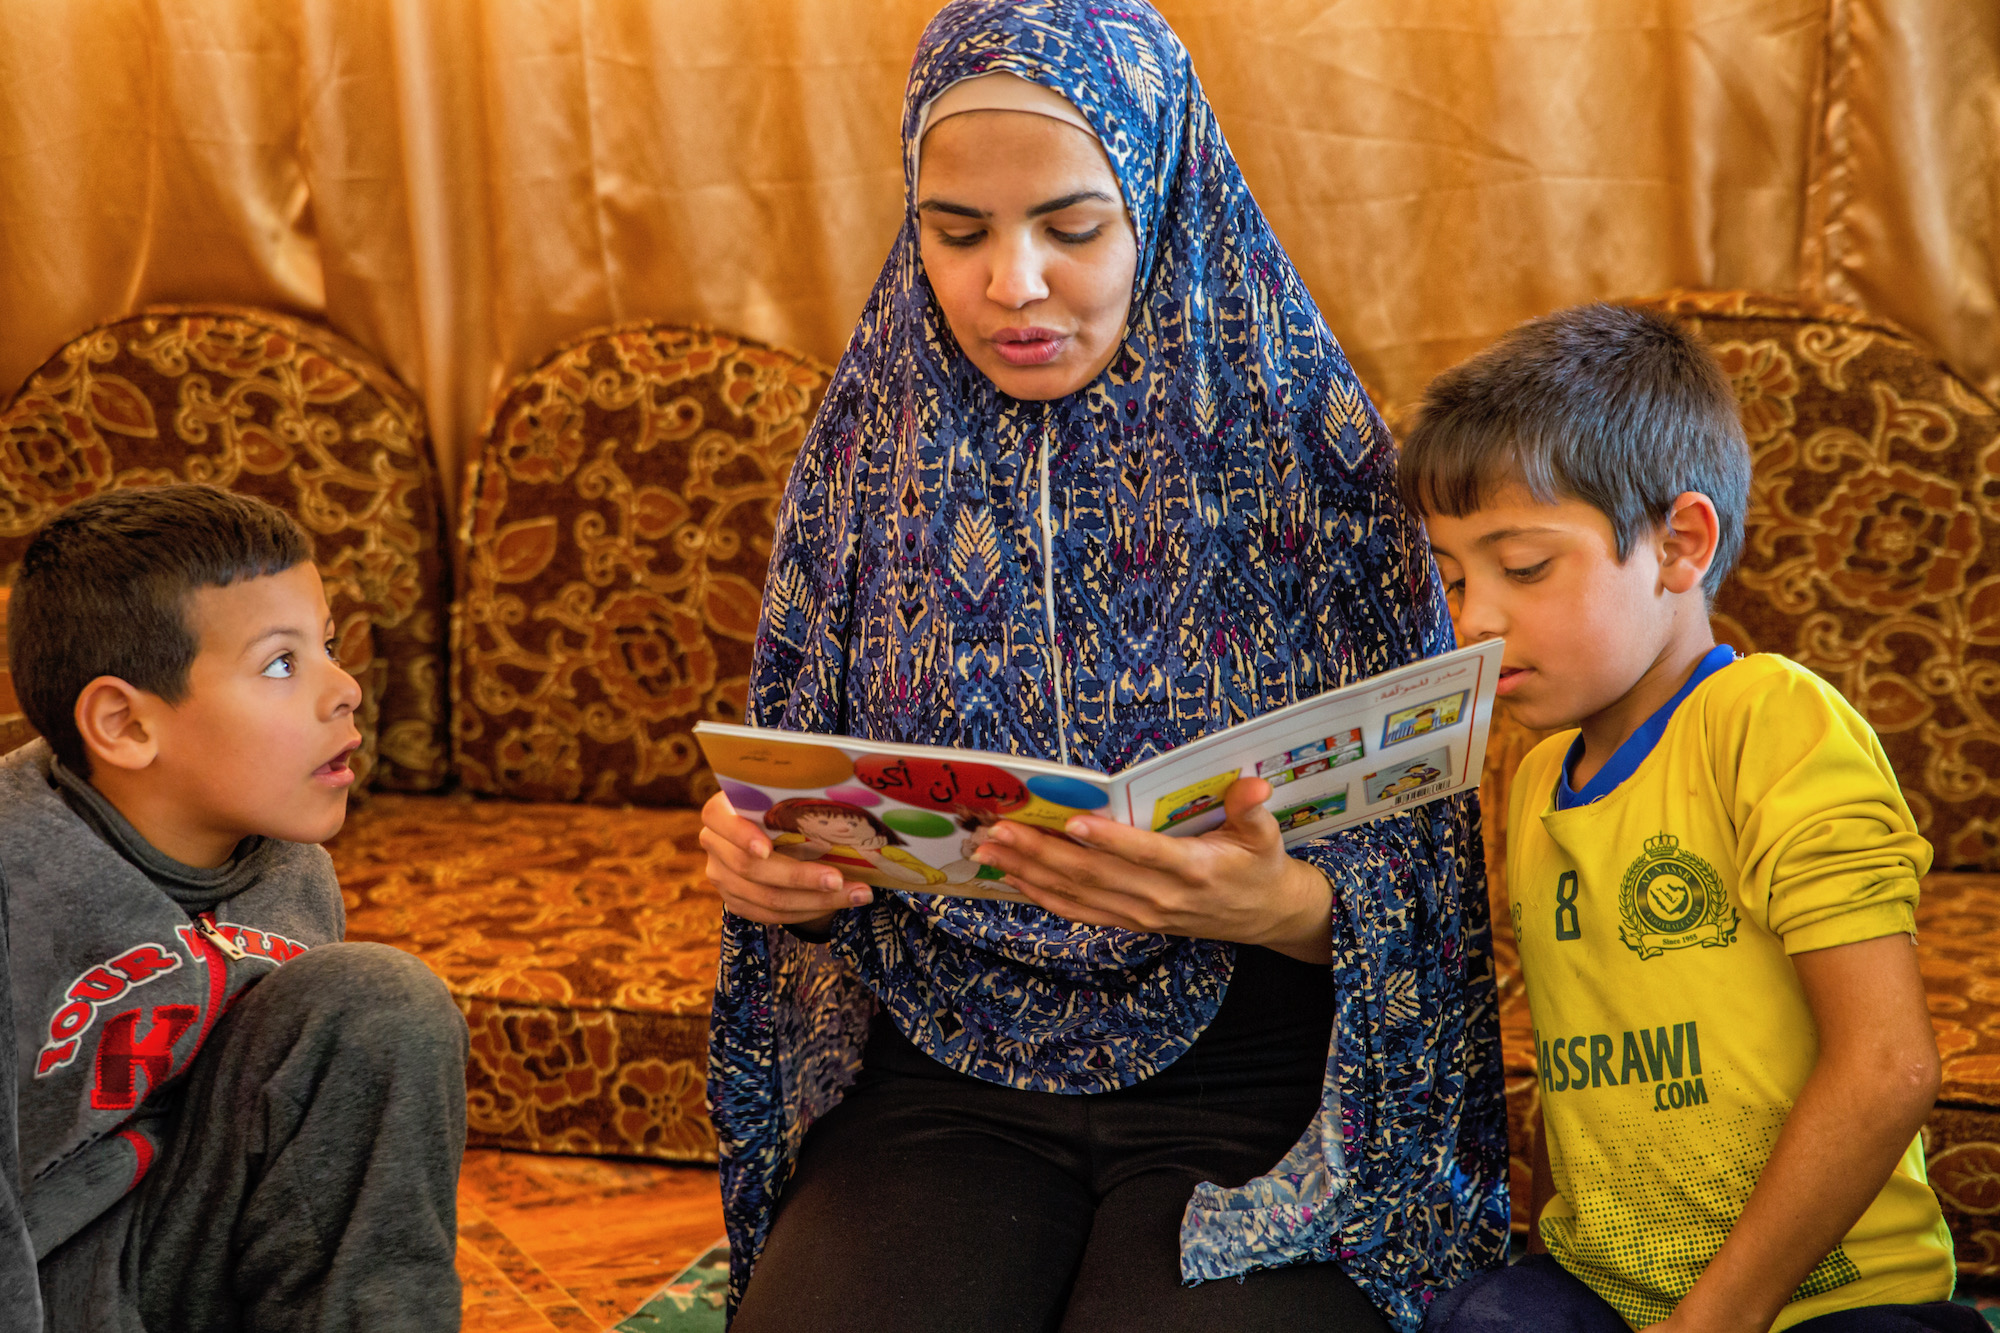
(1034,384)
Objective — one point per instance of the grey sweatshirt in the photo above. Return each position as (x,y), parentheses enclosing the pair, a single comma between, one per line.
(119,961)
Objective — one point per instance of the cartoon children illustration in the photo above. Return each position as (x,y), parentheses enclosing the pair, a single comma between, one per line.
(978,828)
(1425,720)
(1410,781)
(816,829)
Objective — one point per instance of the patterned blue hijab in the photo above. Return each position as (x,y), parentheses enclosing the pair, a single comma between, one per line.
(1224,539)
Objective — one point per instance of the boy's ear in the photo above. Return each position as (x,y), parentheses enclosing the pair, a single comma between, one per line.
(111,717)
(1688,541)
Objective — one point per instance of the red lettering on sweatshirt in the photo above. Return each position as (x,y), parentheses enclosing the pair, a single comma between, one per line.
(97,986)
(261,943)
(100,985)
(123,1053)
(143,962)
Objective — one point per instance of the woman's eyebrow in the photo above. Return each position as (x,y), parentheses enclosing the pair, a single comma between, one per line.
(941,206)
(1070,200)
(1052,206)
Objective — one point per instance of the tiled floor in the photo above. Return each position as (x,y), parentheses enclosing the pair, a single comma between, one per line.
(574,1243)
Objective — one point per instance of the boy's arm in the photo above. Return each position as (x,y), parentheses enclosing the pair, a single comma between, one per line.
(20,1284)
(1874,1081)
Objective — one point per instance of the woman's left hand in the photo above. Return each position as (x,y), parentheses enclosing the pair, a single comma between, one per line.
(1233,883)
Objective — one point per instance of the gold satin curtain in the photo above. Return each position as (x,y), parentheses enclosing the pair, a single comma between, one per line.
(461,184)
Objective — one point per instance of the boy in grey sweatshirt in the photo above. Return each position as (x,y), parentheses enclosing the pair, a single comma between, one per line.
(225,1117)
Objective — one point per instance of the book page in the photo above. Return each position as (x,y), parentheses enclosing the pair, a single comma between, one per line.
(1336,760)
(909,817)
(892,816)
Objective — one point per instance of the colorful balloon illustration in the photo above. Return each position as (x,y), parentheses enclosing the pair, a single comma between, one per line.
(860,796)
(919,824)
(1067,791)
(747,800)
(942,784)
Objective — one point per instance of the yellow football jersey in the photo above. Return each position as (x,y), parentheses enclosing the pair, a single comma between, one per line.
(1671,1032)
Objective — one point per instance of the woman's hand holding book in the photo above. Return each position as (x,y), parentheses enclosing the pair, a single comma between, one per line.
(1234,883)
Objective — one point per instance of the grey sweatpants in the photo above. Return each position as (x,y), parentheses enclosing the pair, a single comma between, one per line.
(309,1179)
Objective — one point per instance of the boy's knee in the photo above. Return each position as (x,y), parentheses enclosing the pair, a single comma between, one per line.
(373,988)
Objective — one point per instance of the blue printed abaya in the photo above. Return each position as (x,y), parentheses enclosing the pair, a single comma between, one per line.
(1225,538)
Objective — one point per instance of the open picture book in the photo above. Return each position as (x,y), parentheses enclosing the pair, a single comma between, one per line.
(910,816)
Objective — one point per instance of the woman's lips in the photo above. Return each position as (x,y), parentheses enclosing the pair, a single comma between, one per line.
(1028,347)
(1511,678)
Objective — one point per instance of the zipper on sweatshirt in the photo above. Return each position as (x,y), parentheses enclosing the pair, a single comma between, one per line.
(205,923)
(217,949)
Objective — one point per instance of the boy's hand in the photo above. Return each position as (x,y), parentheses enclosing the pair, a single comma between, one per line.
(1233,883)
(1874,1082)
(775,890)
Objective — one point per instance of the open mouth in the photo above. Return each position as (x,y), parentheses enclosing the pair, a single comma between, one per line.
(336,772)
(1029,347)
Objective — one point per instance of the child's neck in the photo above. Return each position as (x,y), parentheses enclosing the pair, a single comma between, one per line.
(159,818)
(1606,730)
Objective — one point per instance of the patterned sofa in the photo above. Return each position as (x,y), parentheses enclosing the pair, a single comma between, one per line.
(609,559)
(1872,555)
(609,566)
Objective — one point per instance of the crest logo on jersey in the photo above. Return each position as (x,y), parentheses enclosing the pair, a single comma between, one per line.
(1672,899)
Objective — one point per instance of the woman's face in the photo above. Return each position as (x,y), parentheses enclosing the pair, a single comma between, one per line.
(1025,240)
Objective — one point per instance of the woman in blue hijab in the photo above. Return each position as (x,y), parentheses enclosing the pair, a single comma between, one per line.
(1093,479)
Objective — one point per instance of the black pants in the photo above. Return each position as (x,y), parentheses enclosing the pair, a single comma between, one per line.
(931,1201)
(310,1179)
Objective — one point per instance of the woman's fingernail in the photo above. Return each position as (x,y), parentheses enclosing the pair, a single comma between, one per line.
(830,884)
(980,856)
(860,897)
(761,850)
(1078,829)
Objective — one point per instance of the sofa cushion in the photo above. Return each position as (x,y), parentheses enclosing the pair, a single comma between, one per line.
(1872,542)
(580,943)
(617,526)
(283,410)
(14,728)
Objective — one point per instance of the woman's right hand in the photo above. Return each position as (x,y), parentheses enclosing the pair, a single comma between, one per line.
(761,886)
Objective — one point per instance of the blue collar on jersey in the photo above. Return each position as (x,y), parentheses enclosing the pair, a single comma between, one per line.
(1626,759)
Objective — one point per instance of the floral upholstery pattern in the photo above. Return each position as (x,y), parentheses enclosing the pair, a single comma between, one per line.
(1871,555)
(616,528)
(579,942)
(285,411)
(14,728)
(1872,544)
(616,531)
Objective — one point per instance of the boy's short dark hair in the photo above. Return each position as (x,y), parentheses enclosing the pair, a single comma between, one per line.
(1617,407)
(104,590)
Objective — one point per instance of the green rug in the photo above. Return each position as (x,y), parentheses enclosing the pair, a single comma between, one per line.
(691,1303)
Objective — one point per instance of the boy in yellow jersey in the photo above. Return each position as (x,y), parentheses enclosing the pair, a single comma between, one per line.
(1713,871)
